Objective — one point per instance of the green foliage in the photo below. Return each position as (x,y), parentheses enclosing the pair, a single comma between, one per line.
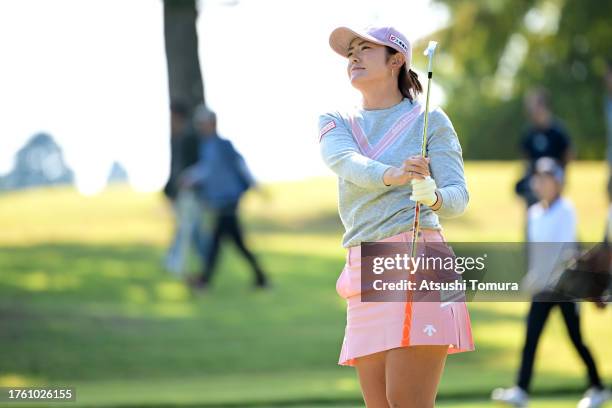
(485,88)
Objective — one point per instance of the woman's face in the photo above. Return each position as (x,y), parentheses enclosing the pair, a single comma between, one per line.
(545,187)
(367,62)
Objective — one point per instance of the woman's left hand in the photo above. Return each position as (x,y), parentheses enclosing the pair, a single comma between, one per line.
(424,191)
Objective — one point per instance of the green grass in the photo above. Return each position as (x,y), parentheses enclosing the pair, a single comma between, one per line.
(85,302)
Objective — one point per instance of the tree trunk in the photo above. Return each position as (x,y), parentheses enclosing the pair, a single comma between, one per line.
(181,40)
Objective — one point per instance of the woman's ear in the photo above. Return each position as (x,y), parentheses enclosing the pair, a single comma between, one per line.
(398,60)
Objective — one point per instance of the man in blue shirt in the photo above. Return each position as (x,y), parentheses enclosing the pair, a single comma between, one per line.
(221,177)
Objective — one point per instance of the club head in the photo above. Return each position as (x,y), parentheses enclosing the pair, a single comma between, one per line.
(431,48)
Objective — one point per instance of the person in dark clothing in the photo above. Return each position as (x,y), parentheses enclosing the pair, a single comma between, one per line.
(184,150)
(221,177)
(184,146)
(608,117)
(545,137)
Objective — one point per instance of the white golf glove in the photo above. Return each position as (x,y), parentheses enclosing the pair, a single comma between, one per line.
(424,191)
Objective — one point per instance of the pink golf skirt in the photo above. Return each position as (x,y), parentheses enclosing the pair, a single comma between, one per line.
(372,327)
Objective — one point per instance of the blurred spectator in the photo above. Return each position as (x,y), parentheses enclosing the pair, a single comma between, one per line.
(551,220)
(184,145)
(608,115)
(545,137)
(221,177)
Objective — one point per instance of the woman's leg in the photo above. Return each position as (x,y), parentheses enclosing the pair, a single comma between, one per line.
(571,315)
(235,232)
(220,230)
(536,319)
(371,372)
(413,374)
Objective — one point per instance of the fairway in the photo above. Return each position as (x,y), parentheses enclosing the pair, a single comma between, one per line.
(85,302)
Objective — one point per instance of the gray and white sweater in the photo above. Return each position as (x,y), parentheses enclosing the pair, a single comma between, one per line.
(360,146)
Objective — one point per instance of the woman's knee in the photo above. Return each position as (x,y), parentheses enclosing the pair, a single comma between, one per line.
(409,398)
(413,375)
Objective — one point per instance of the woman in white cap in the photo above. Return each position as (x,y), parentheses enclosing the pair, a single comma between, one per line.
(399,348)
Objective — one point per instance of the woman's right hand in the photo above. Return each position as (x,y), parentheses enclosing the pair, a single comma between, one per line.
(413,168)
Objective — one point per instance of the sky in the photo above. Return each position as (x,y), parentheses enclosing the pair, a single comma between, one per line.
(92,73)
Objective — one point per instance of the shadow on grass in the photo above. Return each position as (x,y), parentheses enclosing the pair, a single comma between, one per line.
(70,311)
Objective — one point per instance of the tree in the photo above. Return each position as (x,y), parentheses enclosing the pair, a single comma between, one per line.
(495,50)
(181,41)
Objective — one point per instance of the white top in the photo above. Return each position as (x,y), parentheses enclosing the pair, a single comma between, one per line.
(556,223)
(551,234)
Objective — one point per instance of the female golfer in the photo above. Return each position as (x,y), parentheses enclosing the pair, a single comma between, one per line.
(399,348)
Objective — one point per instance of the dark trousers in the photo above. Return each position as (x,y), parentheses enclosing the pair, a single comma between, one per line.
(227,224)
(536,319)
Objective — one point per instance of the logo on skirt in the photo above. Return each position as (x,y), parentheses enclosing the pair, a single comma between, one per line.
(429,330)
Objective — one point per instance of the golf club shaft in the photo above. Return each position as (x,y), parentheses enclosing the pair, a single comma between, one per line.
(417,207)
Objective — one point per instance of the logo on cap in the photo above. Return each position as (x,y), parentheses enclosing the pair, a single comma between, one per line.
(399,42)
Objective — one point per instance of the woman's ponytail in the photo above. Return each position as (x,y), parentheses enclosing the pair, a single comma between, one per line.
(407,80)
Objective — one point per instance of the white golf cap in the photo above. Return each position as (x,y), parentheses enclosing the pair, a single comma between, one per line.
(548,165)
